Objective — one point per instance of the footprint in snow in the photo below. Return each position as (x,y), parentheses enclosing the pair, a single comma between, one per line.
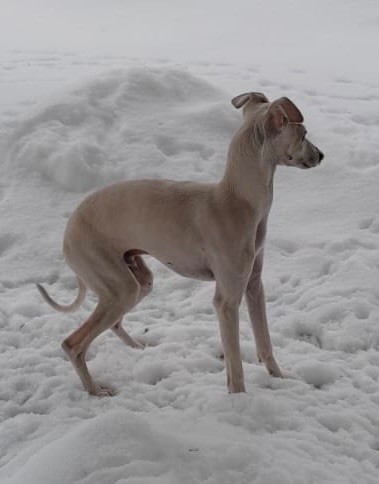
(310,92)
(349,246)
(367,120)
(265,82)
(366,223)
(326,268)
(7,241)
(369,223)
(253,69)
(361,310)
(298,71)
(345,130)
(286,246)
(342,80)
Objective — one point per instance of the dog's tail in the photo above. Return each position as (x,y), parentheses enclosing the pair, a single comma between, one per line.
(70,308)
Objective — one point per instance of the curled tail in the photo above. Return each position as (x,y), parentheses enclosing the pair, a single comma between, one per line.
(70,307)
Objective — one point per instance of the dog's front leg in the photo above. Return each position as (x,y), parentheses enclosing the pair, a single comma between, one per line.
(228,314)
(255,299)
(231,280)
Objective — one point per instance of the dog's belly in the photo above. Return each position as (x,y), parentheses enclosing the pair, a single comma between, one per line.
(195,269)
(202,273)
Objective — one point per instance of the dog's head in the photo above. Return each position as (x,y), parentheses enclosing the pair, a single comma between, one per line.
(281,129)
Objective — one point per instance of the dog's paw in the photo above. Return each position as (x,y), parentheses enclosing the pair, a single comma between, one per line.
(101,391)
(139,345)
(236,388)
(272,367)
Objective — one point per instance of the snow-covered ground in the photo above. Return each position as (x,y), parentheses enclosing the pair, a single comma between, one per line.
(95,91)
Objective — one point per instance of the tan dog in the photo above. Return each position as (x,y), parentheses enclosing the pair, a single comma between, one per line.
(212,232)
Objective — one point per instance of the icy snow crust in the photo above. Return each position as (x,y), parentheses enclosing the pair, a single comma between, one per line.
(70,124)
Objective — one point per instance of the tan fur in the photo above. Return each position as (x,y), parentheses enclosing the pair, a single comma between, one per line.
(204,231)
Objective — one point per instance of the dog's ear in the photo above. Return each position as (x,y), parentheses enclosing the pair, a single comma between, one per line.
(276,119)
(292,112)
(255,97)
(281,112)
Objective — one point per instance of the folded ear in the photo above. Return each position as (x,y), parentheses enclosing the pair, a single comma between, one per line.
(276,119)
(292,112)
(255,97)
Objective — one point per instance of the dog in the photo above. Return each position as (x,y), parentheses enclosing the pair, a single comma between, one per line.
(213,232)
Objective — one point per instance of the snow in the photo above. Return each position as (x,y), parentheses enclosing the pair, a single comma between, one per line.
(93,92)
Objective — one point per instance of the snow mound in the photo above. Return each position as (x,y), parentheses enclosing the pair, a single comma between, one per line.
(317,373)
(113,446)
(110,127)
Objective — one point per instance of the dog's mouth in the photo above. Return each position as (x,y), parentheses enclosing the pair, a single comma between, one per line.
(305,166)
(299,164)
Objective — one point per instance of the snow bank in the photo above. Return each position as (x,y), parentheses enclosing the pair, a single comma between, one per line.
(129,447)
(95,135)
(117,445)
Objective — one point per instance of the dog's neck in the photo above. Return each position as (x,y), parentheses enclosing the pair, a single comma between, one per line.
(248,172)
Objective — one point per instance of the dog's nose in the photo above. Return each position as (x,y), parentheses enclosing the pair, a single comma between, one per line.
(320,155)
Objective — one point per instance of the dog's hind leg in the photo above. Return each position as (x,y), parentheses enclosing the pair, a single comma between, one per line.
(125,337)
(142,273)
(118,291)
(145,279)
(77,343)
